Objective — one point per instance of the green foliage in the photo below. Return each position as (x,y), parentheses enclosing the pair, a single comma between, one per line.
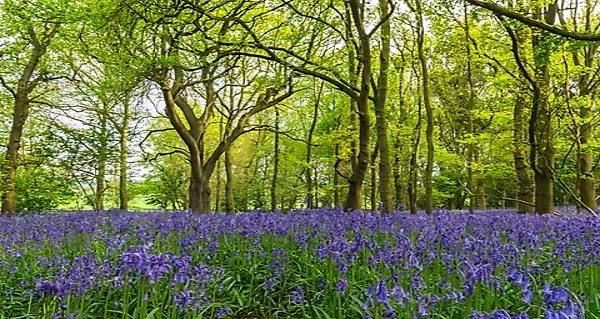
(42,189)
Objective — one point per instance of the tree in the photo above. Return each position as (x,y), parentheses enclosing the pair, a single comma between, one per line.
(36,37)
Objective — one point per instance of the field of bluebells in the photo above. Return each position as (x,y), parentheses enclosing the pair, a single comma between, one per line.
(307,264)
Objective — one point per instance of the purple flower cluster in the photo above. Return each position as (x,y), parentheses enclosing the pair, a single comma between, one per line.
(502,264)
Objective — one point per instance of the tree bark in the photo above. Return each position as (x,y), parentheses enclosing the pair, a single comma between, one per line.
(413,165)
(123,154)
(385,169)
(336,180)
(373,197)
(20,114)
(586,178)
(541,119)
(192,134)
(353,199)
(428,180)
(101,166)
(229,202)
(523,175)
(309,140)
(274,190)
(25,85)
(587,182)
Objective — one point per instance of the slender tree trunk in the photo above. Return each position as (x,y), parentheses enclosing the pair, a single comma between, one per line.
(123,154)
(229,202)
(353,70)
(398,187)
(336,180)
(309,140)
(413,164)
(480,196)
(385,169)
(353,199)
(218,175)
(100,182)
(428,183)
(471,185)
(373,198)
(398,146)
(274,190)
(316,181)
(102,162)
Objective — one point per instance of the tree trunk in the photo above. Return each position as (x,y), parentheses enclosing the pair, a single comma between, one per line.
(25,85)
(542,119)
(123,154)
(480,196)
(199,188)
(275,178)
(20,114)
(353,199)
(373,197)
(523,175)
(102,162)
(471,185)
(385,169)
(100,184)
(218,177)
(309,140)
(428,110)
(413,165)
(398,146)
(587,180)
(316,183)
(336,180)
(229,203)
(398,187)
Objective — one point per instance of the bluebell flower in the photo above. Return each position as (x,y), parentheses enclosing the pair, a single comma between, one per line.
(297,295)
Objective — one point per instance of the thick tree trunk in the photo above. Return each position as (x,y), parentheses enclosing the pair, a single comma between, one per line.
(543,174)
(523,175)
(542,120)
(25,85)
(587,183)
(20,115)
(199,188)
(587,180)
